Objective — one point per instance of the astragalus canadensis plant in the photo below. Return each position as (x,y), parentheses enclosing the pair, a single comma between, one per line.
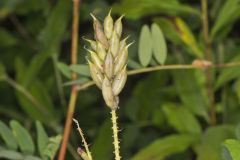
(108,63)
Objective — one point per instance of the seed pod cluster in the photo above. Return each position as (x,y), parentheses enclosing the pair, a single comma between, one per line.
(108,58)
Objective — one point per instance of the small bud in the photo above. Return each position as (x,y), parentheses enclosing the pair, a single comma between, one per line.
(108,25)
(99,35)
(108,94)
(95,74)
(119,81)
(92,43)
(120,61)
(114,44)
(96,60)
(118,26)
(108,65)
(101,51)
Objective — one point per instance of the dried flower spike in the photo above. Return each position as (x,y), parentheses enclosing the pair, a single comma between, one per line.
(109,59)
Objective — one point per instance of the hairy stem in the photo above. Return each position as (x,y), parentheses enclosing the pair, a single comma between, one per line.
(74,92)
(115,135)
(207,52)
(83,140)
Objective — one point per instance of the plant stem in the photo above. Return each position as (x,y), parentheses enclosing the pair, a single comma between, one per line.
(74,91)
(209,76)
(83,140)
(166,67)
(115,135)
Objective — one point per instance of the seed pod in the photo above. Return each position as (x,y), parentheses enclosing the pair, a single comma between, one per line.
(120,61)
(108,25)
(95,74)
(93,44)
(101,51)
(122,44)
(108,65)
(118,26)
(114,44)
(119,81)
(99,35)
(96,60)
(108,94)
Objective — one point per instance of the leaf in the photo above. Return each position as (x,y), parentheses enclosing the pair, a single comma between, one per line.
(7,39)
(8,154)
(42,138)
(190,92)
(211,140)
(7,136)
(228,14)
(78,81)
(52,146)
(181,119)
(237,131)
(23,138)
(103,137)
(228,74)
(163,147)
(65,70)
(233,147)
(80,69)
(145,46)
(136,9)
(188,38)
(133,64)
(159,44)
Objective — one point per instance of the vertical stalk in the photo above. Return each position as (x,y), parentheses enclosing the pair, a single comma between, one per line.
(207,52)
(115,135)
(74,92)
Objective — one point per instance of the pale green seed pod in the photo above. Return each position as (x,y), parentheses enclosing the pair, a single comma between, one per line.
(92,43)
(120,61)
(122,44)
(96,60)
(119,81)
(99,34)
(108,25)
(118,26)
(108,95)
(108,65)
(95,74)
(114,44)
(101,51)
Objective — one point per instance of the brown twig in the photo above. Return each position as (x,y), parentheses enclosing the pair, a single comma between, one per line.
(74,91)
(207,52)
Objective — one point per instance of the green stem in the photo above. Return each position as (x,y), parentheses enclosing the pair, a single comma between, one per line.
(115,135)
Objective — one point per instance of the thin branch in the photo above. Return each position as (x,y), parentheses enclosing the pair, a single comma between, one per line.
(83,139)
(207,52)
(74,92)
(165,67)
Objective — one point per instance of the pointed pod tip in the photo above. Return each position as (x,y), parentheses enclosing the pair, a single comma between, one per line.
(94,18)
(130,44)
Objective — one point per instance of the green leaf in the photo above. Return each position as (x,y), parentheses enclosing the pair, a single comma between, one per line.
(52,146)
(65,70)
(136,9)
(7,136)
(229,13)
(228,74)
(23,137)
(42,138)
(159,44)
(78,81)
(163,147)
(32,158)
(145,46)
(190,91)
(233,147)
(133,64)
(80,69)
(7,39)
(211,140)
(237,131)
(8,154)
(181,119)
(103,137)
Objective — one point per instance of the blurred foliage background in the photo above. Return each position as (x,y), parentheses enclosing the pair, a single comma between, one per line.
(163,114)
